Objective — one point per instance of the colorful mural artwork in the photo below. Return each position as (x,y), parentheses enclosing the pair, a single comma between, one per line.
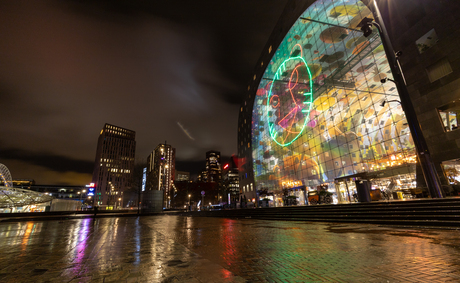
(319,112)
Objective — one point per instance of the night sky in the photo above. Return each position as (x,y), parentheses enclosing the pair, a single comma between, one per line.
(172,71)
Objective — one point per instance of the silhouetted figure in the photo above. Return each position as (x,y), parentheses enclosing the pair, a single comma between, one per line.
(95,211)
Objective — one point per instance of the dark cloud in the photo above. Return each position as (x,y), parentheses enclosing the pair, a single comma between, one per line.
(48,160)
(68,67)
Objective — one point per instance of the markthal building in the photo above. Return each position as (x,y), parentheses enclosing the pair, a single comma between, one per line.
(322,114)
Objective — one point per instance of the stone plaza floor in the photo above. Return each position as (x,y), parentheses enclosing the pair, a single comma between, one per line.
(186,249)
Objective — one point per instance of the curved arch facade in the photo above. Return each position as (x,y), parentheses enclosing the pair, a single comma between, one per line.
(316,113)
(15,197)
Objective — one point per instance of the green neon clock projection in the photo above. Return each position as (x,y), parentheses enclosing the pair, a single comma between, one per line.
(289,101)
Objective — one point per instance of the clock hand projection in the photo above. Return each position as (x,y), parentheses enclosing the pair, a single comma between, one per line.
(289,100)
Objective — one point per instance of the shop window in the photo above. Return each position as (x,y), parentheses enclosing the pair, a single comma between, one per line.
(449,120)
(452,171)
(449,115)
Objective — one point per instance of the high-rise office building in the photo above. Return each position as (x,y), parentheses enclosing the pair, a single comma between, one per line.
(161,165)
(213,166)
(203,176)
(231,180)
(182,176)
(114,164)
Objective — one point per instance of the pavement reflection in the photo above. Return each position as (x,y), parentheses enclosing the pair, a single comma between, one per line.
(185,249)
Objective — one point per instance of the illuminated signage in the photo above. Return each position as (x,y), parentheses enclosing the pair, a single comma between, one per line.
(225,166)
(144,178)
(91,187)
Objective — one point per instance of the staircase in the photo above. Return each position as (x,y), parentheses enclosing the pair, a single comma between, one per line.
(420,212)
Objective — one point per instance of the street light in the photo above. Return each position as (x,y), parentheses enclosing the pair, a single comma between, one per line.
(189,202)
(426,163)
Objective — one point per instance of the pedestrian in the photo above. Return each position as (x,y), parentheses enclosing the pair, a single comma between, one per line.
(95,211)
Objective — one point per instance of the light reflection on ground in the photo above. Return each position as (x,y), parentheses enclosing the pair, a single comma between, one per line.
(178,249)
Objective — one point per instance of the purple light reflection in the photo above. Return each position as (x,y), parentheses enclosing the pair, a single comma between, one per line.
(79,250)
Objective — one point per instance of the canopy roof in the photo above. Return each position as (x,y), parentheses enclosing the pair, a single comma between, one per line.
(15,197)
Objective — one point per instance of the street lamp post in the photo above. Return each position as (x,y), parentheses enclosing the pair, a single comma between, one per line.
(189,202)
(426,163)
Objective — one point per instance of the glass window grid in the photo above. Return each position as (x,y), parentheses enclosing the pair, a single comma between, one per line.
(313,148)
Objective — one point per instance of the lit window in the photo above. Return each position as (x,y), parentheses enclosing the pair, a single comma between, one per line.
(427,41)
(449,116)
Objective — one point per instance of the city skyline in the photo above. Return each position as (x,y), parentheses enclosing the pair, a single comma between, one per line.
(174,74)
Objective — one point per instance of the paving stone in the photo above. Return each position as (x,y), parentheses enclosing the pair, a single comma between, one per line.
(184,249)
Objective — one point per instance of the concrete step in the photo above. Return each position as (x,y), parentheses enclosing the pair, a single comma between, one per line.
(432,212)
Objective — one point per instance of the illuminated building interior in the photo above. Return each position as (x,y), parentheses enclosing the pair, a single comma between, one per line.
(323,112)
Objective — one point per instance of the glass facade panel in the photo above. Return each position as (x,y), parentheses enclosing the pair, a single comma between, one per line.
(319,112)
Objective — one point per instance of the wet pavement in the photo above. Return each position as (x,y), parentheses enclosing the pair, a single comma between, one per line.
(185,249)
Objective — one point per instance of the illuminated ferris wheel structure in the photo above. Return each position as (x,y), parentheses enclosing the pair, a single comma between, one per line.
(5,176)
